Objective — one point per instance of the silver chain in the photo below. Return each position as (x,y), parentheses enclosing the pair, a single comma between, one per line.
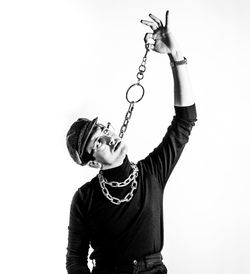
(131,179)
(126,120)
(139,76)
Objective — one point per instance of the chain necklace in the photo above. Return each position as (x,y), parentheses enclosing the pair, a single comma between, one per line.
(131,179)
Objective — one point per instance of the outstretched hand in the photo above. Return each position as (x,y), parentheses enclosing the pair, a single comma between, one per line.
(163,40)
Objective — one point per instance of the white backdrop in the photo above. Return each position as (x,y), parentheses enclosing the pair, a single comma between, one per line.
(61,60)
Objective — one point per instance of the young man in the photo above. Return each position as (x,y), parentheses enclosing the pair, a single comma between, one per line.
(120,211)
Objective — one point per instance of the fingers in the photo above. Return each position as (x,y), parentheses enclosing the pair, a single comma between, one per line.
(157,20)
(149,40)
(150,47)
(166,24)
(152,25)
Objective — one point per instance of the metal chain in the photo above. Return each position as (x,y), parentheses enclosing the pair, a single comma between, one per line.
(118,184)
(140,76)
(126,120)
(142,67)
(131,179)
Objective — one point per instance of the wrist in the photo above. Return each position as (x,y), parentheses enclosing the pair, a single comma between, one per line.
(175,56)
(177,60)
(174,49)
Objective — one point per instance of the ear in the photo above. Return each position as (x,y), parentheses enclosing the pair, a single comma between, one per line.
(94,164)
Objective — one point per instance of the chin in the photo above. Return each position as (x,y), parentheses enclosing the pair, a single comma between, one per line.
(121,153)
(117,157)
(124,150)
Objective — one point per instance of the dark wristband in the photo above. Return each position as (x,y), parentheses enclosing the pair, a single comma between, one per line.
(178,63)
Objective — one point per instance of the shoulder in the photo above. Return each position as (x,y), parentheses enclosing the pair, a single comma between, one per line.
(85,190)
(142,167)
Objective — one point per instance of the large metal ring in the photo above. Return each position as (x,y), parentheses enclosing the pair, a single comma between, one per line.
(136,84)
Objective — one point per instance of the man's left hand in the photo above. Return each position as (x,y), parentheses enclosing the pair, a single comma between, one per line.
(163,40)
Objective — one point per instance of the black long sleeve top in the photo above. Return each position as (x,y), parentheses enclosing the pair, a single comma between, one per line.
(122,233)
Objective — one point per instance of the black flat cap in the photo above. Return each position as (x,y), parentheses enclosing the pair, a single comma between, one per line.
(77,138)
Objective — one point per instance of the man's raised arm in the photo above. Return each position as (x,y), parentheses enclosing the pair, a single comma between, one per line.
(165,43)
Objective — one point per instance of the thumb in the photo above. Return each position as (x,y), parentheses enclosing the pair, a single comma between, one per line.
(149,38)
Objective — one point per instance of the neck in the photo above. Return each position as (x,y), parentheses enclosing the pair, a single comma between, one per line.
(119,173)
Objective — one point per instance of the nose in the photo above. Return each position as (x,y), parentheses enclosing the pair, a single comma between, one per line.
(112,141)
(108,140)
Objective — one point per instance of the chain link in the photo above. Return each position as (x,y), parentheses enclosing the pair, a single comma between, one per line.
(140,76)
(131,179)
(127,118)
(142,67)
(117,184)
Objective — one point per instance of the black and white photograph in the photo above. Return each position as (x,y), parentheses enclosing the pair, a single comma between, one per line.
(125,137)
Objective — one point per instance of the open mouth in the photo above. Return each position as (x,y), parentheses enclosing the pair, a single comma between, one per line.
(118,143)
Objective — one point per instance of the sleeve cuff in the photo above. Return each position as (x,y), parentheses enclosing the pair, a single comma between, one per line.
(187,113)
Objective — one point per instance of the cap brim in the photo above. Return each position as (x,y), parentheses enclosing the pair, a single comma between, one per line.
(84,135)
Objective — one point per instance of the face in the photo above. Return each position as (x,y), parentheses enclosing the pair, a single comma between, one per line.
(106,147)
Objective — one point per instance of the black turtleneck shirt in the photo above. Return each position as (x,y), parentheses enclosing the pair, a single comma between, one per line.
(131,230)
